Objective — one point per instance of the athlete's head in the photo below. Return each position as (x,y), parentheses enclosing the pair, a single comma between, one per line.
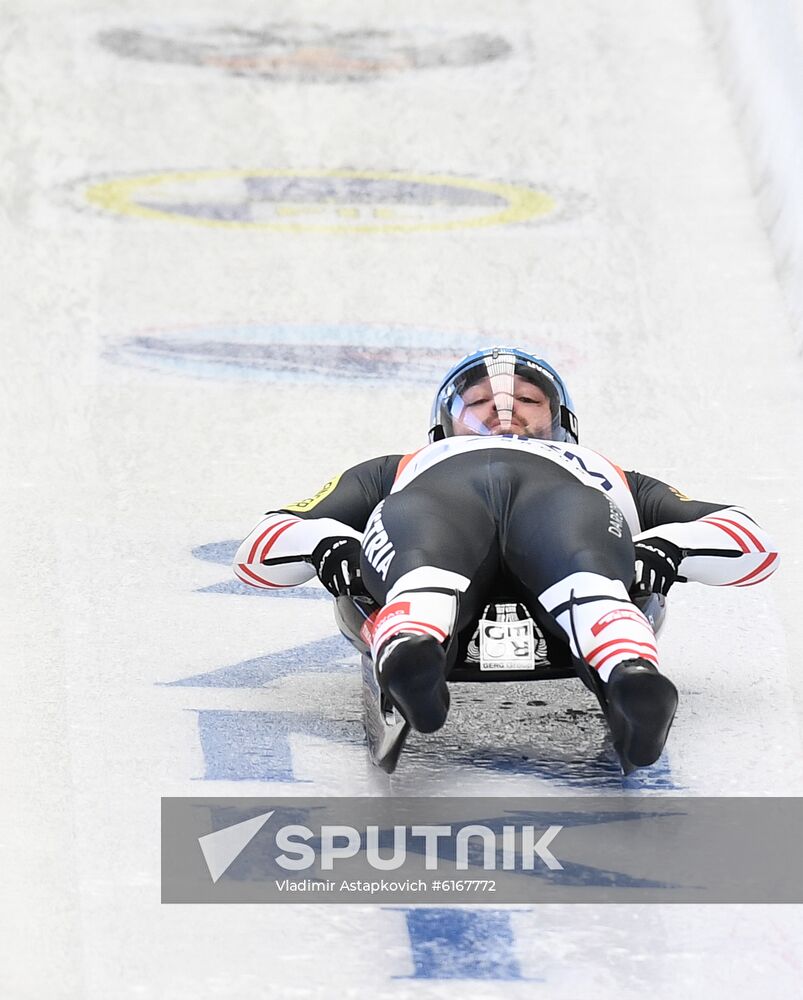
(503,390)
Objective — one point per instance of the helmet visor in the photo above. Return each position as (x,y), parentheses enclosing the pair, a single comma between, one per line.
(502,394)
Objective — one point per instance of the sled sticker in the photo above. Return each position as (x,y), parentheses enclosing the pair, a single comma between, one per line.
(506,645)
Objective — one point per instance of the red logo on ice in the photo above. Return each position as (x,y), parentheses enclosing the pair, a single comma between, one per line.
(618,615)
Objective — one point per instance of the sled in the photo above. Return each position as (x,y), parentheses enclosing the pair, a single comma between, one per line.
(507,645)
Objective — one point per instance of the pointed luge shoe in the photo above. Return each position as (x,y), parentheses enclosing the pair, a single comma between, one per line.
(641,706)
(412,673)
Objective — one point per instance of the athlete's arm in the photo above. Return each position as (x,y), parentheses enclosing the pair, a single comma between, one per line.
(278,552)
(714,543)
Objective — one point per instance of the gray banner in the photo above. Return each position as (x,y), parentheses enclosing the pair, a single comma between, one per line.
(496,850)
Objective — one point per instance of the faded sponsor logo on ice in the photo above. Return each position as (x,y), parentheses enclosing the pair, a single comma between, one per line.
(309,53)
(292,352)
(323,201)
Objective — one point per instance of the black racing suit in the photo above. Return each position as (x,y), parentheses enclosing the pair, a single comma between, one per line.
(512,523)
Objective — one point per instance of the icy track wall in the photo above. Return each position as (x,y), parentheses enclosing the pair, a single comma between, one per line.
(760,45)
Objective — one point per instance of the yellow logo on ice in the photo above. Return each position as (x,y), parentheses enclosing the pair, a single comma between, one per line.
(310,502)
(322,201)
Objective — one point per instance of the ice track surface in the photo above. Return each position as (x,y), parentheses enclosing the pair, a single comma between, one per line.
(567,176)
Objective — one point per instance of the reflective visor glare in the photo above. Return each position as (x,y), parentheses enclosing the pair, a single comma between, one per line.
(483,397)
(495,396)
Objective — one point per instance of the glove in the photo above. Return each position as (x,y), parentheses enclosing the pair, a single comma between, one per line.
(657,564)
(337,563)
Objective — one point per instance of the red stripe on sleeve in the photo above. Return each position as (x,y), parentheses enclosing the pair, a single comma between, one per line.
(735,524)
(267,530)
(259,581)
(767,562)
(734,536)
(272,540)
(761,579)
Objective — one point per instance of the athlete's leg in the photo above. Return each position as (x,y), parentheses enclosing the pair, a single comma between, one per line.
(429,564)
(571,549)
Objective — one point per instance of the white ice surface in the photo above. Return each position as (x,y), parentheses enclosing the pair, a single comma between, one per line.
(656,296)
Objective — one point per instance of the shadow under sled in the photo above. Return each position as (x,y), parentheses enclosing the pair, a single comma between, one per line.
(506,646)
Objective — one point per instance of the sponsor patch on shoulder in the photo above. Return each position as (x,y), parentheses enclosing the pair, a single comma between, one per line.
(323,492)
(679,495)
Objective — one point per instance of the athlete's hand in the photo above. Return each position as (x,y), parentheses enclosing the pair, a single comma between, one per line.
(337,563)
(657,564)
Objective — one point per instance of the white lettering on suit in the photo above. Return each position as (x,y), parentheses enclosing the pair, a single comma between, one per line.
(376,545)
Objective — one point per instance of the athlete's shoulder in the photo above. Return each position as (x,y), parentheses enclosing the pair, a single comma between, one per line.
(597,465)
(606,458)
(660,503)
(350,496)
